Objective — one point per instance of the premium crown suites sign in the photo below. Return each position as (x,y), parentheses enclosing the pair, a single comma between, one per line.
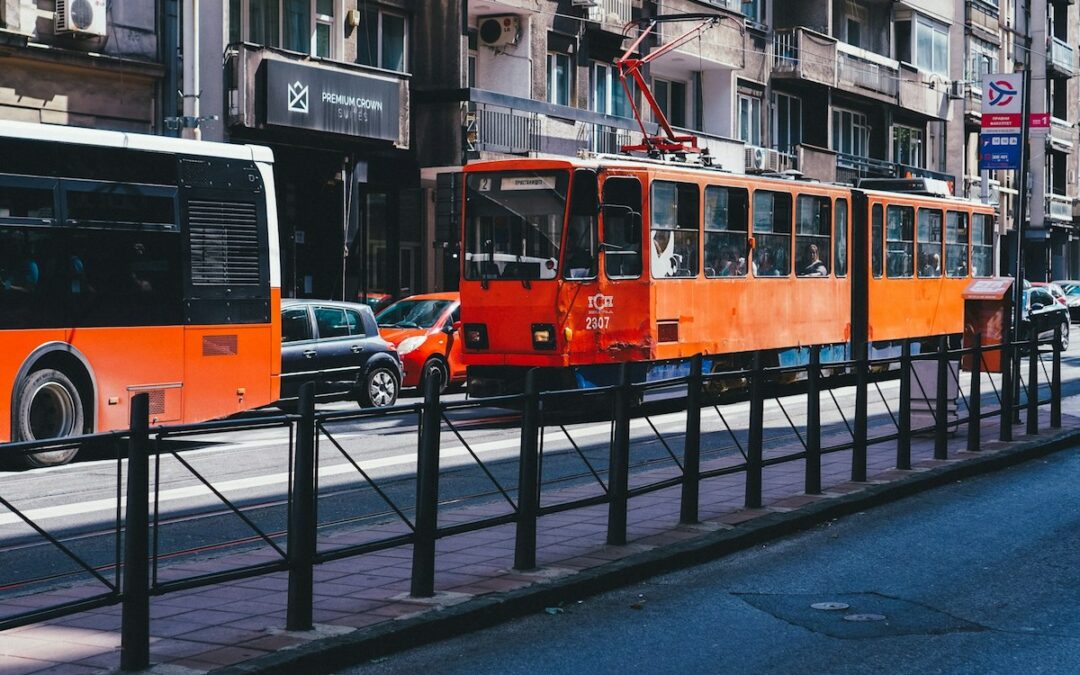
(353,104)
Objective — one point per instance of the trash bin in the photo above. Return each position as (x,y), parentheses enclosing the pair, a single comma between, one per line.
(987,310)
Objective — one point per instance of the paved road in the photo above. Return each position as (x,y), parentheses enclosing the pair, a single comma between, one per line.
(982,576)
(78,502)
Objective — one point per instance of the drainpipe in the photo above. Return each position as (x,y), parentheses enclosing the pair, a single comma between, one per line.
(191,67)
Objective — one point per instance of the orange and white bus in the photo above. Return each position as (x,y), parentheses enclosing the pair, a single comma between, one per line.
(132,263)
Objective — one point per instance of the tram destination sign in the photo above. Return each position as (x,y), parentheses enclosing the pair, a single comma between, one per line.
(354,104)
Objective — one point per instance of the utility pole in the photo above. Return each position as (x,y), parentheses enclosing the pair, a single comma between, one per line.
(1038,263)
(191,68)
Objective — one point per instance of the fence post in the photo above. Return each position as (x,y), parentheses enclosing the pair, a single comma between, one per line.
(813,423)
(619,461)
(941,418)
(301,549)
(528,478)
(427,493)
(903,431)
(1033,384)
(1005,434)
(858,450)
(974,430)
(1055,381)
(755,444)
(688,512)
(135,616)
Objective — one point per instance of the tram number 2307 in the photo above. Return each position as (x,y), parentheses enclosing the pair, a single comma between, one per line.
(596,322)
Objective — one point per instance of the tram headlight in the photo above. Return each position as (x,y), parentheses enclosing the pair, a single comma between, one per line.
(543,336)
(410,344)
(476,336)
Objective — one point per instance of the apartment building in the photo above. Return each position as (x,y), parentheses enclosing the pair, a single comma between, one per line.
(837,90)
(92,64)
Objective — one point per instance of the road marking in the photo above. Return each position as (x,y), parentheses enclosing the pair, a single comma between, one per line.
(282,478)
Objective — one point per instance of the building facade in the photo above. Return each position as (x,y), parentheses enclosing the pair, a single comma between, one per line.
(373,108)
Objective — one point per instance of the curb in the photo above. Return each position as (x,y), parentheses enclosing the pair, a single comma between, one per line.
(341,651)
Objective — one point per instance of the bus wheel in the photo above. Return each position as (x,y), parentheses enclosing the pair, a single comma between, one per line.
(49,406)
(432,366)
(380,388)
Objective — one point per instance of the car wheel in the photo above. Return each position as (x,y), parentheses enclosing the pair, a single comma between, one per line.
(380,388)
(433,366)
(48,406)
(1064,342)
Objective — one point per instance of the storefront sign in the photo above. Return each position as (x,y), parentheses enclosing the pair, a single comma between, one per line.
(354,104)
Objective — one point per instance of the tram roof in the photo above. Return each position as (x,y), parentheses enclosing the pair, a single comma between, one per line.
(121,139)
(621,161)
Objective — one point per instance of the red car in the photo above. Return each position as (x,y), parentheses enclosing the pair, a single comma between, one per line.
(425,330)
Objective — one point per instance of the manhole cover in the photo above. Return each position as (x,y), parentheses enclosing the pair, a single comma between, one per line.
(830,606)
(864,617)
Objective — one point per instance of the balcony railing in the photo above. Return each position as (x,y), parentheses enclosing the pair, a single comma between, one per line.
(612,15)
(859,68)
(804,54)
(1061,57)
(1059,208)
(851,167)
(506,130)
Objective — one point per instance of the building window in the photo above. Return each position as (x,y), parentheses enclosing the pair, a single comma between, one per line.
(931,46)
(607,95)
(559,70)
(851,133)
(754,10)
(382,40)
(907,144)
(750,119)
(982,59)
(304,26)
(671,97)
(854,32)
(788,111)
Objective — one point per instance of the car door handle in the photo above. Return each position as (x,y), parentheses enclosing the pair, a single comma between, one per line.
(356,349)
(310,353)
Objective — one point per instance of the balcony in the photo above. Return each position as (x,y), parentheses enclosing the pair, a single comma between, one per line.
(849,168)
(867,73)
(720,47)
(1059,208)
(923,92)
(1062,137)
(505,130)
(611,15)
(1061,58)
(802,54)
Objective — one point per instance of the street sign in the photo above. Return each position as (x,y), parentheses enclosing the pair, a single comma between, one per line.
(1039,120)
(999,151)
(1002,103)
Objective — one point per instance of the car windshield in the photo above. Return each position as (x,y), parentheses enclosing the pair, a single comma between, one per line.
(514,223)
(413,313)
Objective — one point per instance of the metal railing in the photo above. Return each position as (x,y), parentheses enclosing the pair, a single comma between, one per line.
(853,70)
(507,131)
(616,477)
(1062,56)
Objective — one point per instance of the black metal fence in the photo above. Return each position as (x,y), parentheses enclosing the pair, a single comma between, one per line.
(613,478)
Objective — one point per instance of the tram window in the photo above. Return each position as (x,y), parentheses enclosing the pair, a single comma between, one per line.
(982,245)
(899,241)
(956,244)
(840,239)
(772,234)
(579,258)
(622,228)
(813,222)
(674,225)
(876,238)
(725,231)
(929,243)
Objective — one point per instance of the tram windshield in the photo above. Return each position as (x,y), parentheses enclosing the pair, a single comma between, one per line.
(513,224)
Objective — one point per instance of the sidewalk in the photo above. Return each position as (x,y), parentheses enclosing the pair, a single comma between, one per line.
(362,608)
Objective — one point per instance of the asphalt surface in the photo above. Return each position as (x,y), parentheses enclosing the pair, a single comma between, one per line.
(981,576)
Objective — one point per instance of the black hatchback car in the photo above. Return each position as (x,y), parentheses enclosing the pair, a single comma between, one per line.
(1046,313)
(337,346)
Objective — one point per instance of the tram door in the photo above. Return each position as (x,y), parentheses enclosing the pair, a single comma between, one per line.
(619,312)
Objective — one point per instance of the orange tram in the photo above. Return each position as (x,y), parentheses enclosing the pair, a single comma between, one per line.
(575,266)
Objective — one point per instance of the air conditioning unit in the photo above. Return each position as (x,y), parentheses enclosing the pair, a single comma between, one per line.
(499,31)
(80,17)
(762,159)
(957,89)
